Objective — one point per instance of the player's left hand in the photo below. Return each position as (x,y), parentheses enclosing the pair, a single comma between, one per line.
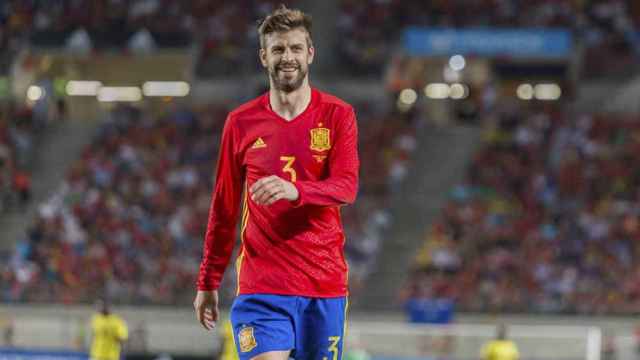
(270,189)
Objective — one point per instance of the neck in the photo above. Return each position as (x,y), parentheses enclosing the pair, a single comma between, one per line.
(289,105)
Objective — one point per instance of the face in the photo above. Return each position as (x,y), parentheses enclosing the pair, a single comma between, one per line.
(287,56)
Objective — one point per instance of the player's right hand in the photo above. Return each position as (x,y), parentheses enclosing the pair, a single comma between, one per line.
(206,306)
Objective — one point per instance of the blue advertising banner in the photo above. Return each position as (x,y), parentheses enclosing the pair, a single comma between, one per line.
(539,43)
(430,311)
(22,354)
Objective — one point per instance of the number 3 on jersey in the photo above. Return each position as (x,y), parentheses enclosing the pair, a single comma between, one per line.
(288,167)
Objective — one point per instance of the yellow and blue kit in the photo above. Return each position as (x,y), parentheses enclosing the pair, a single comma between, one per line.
(109,331)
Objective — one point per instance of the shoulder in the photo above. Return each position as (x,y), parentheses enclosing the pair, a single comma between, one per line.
(247,109)
(340,111)
(326,99)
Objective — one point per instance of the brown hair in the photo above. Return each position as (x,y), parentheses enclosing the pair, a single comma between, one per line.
(284,19)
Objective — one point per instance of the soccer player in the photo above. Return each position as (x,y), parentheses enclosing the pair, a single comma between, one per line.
(500,348)
(293,151)
(109,331)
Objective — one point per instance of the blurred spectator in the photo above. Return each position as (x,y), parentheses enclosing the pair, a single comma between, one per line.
(425,304)
(500,348)
(8,331)
(18,135)
(228,349)
(137,343)
(22,186)
(60,110)
(108,333)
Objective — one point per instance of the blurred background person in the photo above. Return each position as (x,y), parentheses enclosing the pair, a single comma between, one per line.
(229,351)
(500,348)
(108,333)
(8,331)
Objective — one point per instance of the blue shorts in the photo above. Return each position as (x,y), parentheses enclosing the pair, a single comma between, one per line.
(312,328)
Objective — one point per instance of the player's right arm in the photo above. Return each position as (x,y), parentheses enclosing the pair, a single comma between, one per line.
(221,227)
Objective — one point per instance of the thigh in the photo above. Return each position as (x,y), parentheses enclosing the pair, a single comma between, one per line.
(262,324)
(321,329)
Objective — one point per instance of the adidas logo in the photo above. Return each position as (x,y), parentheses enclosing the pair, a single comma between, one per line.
(259,144)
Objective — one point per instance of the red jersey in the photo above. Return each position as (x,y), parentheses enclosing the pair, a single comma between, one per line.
(289,248)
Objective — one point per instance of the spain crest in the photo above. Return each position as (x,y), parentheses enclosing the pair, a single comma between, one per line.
(320,139)
(246,339)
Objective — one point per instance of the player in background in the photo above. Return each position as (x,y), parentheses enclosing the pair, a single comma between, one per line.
(108,332)
(229,351)
(293,152)
(500,348)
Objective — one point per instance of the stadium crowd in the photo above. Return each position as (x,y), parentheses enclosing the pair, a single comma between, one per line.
(224,32)
(547,219)
(225,36)
(371,29)
(129,220)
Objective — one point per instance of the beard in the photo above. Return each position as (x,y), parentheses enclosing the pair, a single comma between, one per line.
(287,84)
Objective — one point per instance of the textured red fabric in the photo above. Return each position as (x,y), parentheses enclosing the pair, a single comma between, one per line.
(287,248)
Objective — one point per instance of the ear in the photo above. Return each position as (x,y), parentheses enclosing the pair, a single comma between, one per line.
(312,53)
(262,54)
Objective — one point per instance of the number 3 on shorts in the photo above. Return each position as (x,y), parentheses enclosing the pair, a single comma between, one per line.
(333,348)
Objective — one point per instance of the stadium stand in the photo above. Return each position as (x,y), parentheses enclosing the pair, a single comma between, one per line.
(223,33)
(369,30)
(129,219)
(544,223)
(227,35)
(224,36)
(144,181)
(373,29)
(546,220)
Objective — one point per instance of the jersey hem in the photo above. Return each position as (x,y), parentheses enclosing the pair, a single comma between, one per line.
(292,293)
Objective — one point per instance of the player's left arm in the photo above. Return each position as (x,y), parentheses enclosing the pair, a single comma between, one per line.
(339,188)
(123,330)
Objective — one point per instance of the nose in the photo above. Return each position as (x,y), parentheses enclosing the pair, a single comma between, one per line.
(286,55)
